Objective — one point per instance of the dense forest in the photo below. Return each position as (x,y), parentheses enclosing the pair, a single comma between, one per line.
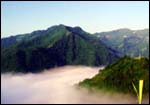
(120,75)
(57,46)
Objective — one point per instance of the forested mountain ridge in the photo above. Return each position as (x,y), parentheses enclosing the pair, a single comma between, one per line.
(57,46)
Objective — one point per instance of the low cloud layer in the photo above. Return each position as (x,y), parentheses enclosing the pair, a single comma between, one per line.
(55,86)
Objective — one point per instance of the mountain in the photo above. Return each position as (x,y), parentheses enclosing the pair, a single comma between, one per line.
(127,42)
(119,75)
(57,46)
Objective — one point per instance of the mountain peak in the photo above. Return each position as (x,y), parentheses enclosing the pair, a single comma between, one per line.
(75,29)
(55,27)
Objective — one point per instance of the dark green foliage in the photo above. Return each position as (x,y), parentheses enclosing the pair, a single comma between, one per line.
(120,75)
(21,59)
(43,58)
(56,46)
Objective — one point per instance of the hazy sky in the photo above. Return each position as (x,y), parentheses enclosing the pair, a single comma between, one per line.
(18,17)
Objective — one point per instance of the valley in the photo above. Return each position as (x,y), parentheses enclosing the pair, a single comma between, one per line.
(57,86)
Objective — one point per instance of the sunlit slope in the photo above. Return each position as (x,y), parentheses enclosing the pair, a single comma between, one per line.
(120,75)
(126,41)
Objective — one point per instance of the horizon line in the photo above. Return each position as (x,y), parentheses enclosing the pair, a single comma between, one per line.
(72,27)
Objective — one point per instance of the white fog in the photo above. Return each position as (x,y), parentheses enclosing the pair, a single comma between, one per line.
(56,86)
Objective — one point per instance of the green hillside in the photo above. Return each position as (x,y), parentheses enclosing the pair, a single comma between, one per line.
(57,46)
(120,75)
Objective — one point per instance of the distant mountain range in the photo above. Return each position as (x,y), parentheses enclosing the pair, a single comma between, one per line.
(127,42)
(57,46)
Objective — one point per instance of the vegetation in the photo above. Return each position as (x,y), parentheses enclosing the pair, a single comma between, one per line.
(129,42)
(120,75)
(56,46)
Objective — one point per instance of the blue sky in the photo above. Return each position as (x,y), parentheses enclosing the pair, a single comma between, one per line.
(18,17)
